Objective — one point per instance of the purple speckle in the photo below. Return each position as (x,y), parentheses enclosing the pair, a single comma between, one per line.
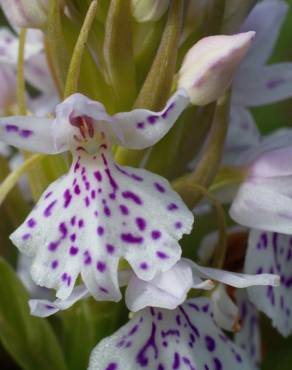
(54,264)
(156,234)
(172,207)
(73,250)
(159,187)
(98,176)
(48,210)
(272,84)
(11,128)
(25,133)
(140,125)
(81,224)
(87,258)
(73,237)
(217,364)
(141,223)
(112,366)
(144,266)
(110,248)
(77,189)
(100,230)
(101,266)
(132,196)
(162,255)
(53,246)
(152,119)
(124,209)
(26,236)
(73,221)
(63,230)
(210,343)
(129,238)
(67,198)
(178,225)
(31,223)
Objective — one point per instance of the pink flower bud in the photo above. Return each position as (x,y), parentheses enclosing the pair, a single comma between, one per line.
(149,10)
(26,13)
(208,67)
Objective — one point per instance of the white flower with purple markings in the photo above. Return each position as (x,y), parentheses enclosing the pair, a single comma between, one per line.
(99,212)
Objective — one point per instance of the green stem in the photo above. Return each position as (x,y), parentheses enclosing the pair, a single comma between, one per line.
(11,180)
(74,67)
(209,163)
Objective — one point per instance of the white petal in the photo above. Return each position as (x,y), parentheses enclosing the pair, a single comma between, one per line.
(142,128)
(45,308)
(185,338)
(265,19)
(263,206)
(167,290)
(226,313)
(249,337)
(33,134)
(264,85)
(235,279)
(272,252)
(97,213)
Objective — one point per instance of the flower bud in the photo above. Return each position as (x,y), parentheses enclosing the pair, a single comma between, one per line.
(208,67)
(26,13)
(149,10)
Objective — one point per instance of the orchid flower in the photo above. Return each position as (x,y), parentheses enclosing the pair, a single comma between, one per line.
(184,338)
(248,338)
(168,289)
(256,83)
(272,252)
(99,212)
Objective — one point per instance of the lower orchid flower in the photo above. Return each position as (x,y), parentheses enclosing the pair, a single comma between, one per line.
(184,338)
(99,212)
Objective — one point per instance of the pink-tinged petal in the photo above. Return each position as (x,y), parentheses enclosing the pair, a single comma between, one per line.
(263,85)
(9,48)
(249,337)
(266,20)
(272,164)
(167,290)
(33,134)
(242,135)
(26,13)
(262,205)
(209,66)
(38,75)
(96,214)
(45,308)
(142,128)
(185,338)
(272,252)
(234,279)
(8,86)
(226,313)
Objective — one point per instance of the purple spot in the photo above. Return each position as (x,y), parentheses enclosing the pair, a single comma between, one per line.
(165,114)
(217,364)
(31,223)
(112,366)
(73,237)
(104,290)
(172,207)
(54,264)
(140,125)
(156,234)
(124,209)
(210,343)
(132,196)
(53,246)
(77,189)
(26,236)
(98,176)
(93,194)
(63,230)
(101,266)
(152,119)
(129,238)
(11,128)
(48,195)
(110,248)
(81,224)
(48,210)
(87,201)
(107,211)
(162,255)
(178,225)
(272,84)
(176,361)
(141,223)
(25,133)
(159,187)
(100,230)
(67,198)
(73,250)
(144,266)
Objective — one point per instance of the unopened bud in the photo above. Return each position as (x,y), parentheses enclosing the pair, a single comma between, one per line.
(208,67)
(26,13)
(149,10)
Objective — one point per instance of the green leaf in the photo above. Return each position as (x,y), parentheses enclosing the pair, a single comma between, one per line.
(29,340)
